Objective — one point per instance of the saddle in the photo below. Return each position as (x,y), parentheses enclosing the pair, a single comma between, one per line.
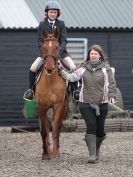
(73,87)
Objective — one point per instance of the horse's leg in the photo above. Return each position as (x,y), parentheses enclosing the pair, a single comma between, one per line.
(44,130)
(56,127)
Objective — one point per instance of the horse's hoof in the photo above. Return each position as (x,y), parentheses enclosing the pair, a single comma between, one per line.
(55,156)
(46,157)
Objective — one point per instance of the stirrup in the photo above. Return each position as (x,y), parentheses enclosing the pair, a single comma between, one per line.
(76,95)
(25,97)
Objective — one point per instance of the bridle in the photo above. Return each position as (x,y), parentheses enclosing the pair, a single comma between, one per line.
(46,57)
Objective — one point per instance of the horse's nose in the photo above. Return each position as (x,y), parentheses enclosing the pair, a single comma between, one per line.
(49,71)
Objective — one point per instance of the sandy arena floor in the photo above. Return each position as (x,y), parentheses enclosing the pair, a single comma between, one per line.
(20,156)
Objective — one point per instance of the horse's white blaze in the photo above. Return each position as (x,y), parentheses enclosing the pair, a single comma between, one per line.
(50,44)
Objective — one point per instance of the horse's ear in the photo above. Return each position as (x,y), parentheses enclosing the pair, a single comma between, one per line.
(56,33)
(45,34)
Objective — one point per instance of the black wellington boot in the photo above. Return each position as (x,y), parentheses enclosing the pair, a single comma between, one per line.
(29,94)
(91,144)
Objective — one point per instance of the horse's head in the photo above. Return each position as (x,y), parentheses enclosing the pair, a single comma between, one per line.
(50,48)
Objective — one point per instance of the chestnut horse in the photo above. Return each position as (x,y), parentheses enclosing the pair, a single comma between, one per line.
(51,93)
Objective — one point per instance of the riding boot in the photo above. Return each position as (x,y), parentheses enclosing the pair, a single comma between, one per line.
(91,144)
(75,95)
(75,90)
(98,145)
(75,85)
(29,94)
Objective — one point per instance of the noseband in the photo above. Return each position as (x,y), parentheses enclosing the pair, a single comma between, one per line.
(50,71)
(47,56)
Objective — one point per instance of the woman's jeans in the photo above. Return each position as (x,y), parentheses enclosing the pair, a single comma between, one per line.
(95,124)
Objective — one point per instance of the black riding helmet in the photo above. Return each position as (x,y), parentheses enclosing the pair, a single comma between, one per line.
(53,5)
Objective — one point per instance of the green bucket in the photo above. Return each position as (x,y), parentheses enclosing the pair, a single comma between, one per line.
(30,109)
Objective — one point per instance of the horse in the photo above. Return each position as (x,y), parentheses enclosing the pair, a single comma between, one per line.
(51,93)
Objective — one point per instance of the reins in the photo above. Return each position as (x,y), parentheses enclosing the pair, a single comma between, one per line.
(53,70)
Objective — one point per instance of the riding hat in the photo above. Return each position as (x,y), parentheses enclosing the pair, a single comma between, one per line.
(52,5)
